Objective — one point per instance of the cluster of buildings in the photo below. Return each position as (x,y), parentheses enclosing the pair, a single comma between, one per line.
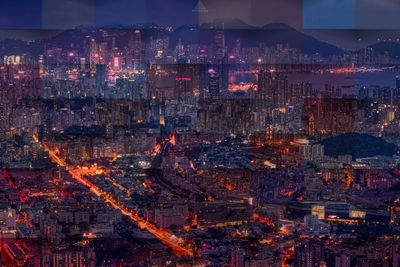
(138,148)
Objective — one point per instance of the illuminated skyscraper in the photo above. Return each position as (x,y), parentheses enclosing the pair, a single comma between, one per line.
(220,44)
(264,84)
(213,84)
(92,55)
(138,50)
(237,258)
(101,71)
(397,82)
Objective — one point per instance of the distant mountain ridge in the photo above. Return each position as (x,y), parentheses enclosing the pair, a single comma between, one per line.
(236,29)
(270,34)
(227,24)
(392,48)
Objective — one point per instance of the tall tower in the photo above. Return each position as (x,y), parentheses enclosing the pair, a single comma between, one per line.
(311,125)
(220,43)
(213,84)
(264,85)
(92,55)
(137,47)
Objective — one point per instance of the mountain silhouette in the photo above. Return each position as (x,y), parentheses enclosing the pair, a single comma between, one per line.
(235,29)
(392,48)
(358,145)
(270,34)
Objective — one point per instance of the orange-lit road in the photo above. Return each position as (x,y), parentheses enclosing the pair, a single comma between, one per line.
(162,235)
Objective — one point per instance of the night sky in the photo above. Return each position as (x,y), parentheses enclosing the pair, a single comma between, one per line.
(21,14)
(351,14)
(348,24)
